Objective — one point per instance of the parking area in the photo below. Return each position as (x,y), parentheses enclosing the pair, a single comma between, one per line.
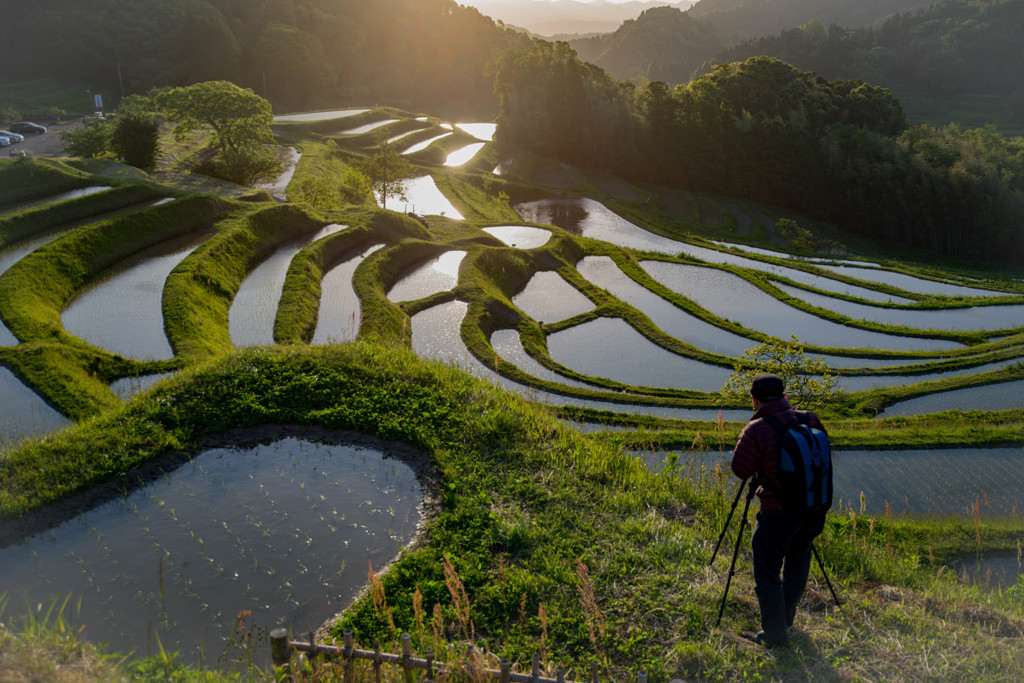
(46,145)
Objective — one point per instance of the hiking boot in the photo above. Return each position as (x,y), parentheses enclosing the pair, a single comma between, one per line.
(759,638)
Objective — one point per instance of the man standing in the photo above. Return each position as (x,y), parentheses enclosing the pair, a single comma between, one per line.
(782,538)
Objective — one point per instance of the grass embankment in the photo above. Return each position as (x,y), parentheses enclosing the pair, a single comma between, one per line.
(562,545)
(24,179)
(21,225)
(949,429)
(198,293)
(70,373)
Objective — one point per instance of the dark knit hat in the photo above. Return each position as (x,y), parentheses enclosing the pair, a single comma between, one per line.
(767,387)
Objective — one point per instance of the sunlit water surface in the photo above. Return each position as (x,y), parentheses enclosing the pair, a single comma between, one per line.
(340,311)
(318,115)
(254,308)
(548,298)
(520,236)
(436,275)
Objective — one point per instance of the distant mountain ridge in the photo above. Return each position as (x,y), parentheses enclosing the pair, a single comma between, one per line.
(666,43)
(568,17)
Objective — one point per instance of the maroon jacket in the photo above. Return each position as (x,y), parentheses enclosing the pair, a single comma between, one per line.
(757,448)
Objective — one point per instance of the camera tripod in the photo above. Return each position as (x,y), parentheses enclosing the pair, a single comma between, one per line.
(739,540)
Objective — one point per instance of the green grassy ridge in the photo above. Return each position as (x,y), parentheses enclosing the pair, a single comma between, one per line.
(761,281)
(948,429)
(298,310)
(35,290)
(638,213)
(74,381)
(522,500)
(28,178)
(476,197)
(383,319)
(23,224)
(198,293)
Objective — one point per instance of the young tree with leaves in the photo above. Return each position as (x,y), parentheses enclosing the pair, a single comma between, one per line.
(809,382)
(386,170)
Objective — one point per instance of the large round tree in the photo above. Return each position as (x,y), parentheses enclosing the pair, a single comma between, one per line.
(239,123)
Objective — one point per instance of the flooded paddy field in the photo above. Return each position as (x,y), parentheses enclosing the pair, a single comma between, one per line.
(271,530)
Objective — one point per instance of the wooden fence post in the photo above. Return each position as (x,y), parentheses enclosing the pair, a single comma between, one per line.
(430,663)
(560,674)
(350,660)
(407,656)
(641,677)
(504,670)
(594,677)
(280,649)
(535,667)
(377,659)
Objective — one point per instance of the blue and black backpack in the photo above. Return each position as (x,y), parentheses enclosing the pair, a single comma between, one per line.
(805,472)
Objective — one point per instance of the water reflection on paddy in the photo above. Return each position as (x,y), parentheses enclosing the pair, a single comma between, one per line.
(435,335)
(464,154)
(611,348)
(23,412)
(973,318)
(603,272)
(919,482)
(254,308)
(284,530)
(53,199)
(868,382)
(123,313)
(481,131)
(436,275)
(403,135)
(278,187)
(127,387)
(340,310)
(730,296)
(548,298)
(420,146)
(318,115)
(508,345)
(1002,396)
(423,196)
(909,282)
(366,127)
(520,236)
(593,219)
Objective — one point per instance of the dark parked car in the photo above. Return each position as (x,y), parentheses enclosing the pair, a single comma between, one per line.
(27,128)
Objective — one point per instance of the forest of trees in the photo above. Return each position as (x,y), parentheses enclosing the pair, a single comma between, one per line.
(299,53)
(762,130)
(958,46)
(954,47)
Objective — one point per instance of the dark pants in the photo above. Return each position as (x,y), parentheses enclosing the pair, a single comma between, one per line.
(782,543)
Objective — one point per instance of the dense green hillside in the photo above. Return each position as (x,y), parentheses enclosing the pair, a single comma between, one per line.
(300,53)
(762,130)
(951,50)
(662,44)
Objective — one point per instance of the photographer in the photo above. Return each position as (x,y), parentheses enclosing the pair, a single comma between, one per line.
(783,534)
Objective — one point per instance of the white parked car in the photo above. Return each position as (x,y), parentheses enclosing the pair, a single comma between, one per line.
(13,137)
(4,142)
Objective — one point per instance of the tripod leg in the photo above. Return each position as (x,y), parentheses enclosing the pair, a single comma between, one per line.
(821,565)
(735,554)
(728,519)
